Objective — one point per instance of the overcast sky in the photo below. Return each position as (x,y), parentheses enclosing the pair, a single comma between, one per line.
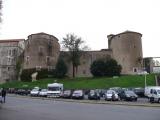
(92,20)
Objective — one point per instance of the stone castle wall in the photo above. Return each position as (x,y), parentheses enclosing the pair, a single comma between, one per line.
(41,51)
(127,50)
(86,60)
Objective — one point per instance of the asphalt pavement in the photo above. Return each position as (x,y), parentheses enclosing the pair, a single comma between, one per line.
(21,108)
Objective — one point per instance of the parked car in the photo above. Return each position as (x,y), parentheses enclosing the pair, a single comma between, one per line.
(43,93)
(139,91)
(22,92)
(1,101)
(93,95)
(116,89)
(78,94)
(35,92)
(155,96)
(101,92)
(0,91)
(128,96)
(67,94)
(111,95)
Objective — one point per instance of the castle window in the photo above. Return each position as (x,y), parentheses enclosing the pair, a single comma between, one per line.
(9,60)
(14,52)
(51,68)
(50,46)
(135,70)
(38,68)
(9,52)
(47,59)
(84,71)
(134,46)
(27,59)
(40,50)
(8,68)
(84,62)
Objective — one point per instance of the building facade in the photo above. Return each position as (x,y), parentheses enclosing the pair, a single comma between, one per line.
(9,52)
(42,50)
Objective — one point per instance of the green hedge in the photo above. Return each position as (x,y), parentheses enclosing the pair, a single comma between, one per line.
(43,73)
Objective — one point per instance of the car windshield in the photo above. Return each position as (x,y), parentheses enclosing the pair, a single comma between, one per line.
(77,92)
(158,91)
(129,92)
(35,89)
(67,92)
(92,92)
(53,88)
(110,91)
(44,90)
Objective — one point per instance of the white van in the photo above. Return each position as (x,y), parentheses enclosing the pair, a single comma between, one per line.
(153,93)
(55,90)
(148,90)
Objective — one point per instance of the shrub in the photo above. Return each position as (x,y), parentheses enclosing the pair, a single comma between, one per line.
(26,74)
(105,67)
(43,73)
(61,69)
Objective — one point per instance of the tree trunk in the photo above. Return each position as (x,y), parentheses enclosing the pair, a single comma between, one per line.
(73,68)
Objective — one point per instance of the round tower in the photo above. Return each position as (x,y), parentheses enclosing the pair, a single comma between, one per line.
(41,51)
(127,51)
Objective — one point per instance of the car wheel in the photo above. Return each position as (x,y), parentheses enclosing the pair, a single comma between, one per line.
(151,99)
(135,99)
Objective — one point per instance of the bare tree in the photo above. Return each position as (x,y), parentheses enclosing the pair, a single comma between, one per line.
(75,46)
(0,10)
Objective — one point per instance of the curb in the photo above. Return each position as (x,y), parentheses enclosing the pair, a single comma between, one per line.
(94,101)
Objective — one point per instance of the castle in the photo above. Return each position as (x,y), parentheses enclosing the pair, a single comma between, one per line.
(42,50)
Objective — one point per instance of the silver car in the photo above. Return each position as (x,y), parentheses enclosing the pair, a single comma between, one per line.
(78,94)
(111,95)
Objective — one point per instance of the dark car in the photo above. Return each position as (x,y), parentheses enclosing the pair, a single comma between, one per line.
(93,95)
(139,91)
(101,92)
(128,96)
(67,94)
(22,92)
(78,94)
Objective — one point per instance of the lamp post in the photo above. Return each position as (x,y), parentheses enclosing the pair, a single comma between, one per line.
(145,82)
(145,78)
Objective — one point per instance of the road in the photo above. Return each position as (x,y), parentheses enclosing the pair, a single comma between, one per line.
(17,108)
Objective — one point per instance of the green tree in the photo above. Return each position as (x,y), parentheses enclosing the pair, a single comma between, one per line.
(74,46)
(105,67)
(61,69)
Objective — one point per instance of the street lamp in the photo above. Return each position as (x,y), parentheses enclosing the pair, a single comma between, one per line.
(145,82)
(145,78)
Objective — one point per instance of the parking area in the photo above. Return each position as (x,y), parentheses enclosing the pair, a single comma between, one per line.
(86,96)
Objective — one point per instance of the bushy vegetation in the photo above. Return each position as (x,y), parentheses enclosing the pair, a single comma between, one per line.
(105,67)
(61,69)
(43,73)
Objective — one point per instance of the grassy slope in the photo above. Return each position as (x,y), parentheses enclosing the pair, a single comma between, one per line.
(87,83)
